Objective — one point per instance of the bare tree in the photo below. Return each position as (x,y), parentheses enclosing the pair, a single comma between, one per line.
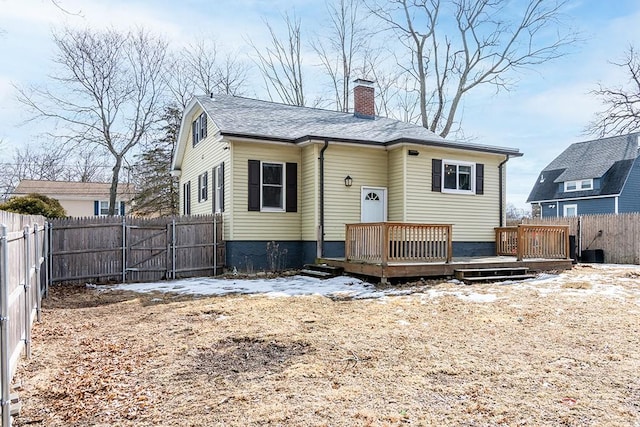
(51,162)
(622,104)
(281,63)
(107,94)
(199,69)
(455,46)
(340,46)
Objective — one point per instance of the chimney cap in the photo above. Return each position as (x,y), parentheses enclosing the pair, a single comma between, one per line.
(364,82)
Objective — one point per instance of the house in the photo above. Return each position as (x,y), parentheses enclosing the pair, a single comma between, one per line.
(287,179)
(79,198)
(601,176)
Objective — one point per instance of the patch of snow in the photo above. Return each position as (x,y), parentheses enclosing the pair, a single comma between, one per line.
(603,279)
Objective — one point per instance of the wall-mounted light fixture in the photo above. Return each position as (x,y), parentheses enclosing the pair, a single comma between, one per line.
(413,152)
(551,206)
(348,181)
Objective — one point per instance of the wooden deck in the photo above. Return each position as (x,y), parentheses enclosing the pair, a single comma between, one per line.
(394,270)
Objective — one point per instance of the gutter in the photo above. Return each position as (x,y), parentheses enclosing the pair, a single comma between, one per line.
(320,244)
(500,191)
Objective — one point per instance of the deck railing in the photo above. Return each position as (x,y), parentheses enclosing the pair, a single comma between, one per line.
(533,241)
(384,242)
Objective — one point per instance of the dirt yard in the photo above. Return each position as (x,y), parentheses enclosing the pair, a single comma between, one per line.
(564,351)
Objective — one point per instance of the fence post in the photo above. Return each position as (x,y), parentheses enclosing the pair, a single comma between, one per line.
(37,257)
(5,401)
(124,249)
(47,257)
(215,244)
(173,248)
(27,286)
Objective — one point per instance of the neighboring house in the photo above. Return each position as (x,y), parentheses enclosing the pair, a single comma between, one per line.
(592,177)
(295,176)
(79,198)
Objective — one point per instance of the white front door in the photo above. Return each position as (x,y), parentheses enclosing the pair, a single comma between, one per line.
(373,206)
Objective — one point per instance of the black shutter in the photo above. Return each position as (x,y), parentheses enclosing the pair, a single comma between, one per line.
(436,175)
(122,208)
(292,187)
(479,178)
(205,185)
(194,133)
(254,185)
(96,207)
(199,188)
(204,125)
(221,185)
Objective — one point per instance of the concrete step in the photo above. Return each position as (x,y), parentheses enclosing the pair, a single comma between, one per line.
(335,271)
(316,273)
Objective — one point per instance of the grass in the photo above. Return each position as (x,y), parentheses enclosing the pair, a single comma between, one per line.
(540,354)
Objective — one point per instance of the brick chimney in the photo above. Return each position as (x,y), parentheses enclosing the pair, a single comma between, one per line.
(364,105)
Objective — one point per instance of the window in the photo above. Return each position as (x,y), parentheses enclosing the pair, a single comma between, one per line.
(203,187)
(584,184)
(273,186)
(186,198)
(218,188)
(457,177)
(199,128)
(101,208)
(570,210)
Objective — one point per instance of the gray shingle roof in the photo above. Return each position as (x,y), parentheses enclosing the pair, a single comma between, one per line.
(608,159)
(591,159)
(268,120)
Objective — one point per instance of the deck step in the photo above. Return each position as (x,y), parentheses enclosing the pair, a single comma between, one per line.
(492,274)
(322,271)
(461,273)
(498,278)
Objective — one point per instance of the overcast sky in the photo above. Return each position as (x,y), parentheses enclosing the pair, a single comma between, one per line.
(547,111)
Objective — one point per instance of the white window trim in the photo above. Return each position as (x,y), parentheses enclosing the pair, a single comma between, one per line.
(100,207)
(567,207)
(472,178)
(106,204)
(283,186)
(217,189)
(578,184)
(203,188)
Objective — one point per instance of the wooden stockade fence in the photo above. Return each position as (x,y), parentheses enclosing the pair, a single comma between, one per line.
(617,235)
(128,249)
(22,253)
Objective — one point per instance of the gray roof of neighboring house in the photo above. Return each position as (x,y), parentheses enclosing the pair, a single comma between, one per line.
(245,117)
(609,159)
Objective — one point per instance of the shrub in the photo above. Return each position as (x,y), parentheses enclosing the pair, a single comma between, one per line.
(35,204)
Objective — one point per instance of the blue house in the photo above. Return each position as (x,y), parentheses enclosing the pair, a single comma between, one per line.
(601,176)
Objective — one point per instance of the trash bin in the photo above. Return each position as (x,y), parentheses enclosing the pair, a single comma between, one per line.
(593,256)
(572,248)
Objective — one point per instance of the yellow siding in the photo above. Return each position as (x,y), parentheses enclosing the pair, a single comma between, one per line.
(309,192)
(473,216)
(207,154)
(367,167)
(262,225)
(396,195)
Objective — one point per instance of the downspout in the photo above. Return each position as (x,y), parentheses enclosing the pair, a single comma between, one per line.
(500,191)
(320,247)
